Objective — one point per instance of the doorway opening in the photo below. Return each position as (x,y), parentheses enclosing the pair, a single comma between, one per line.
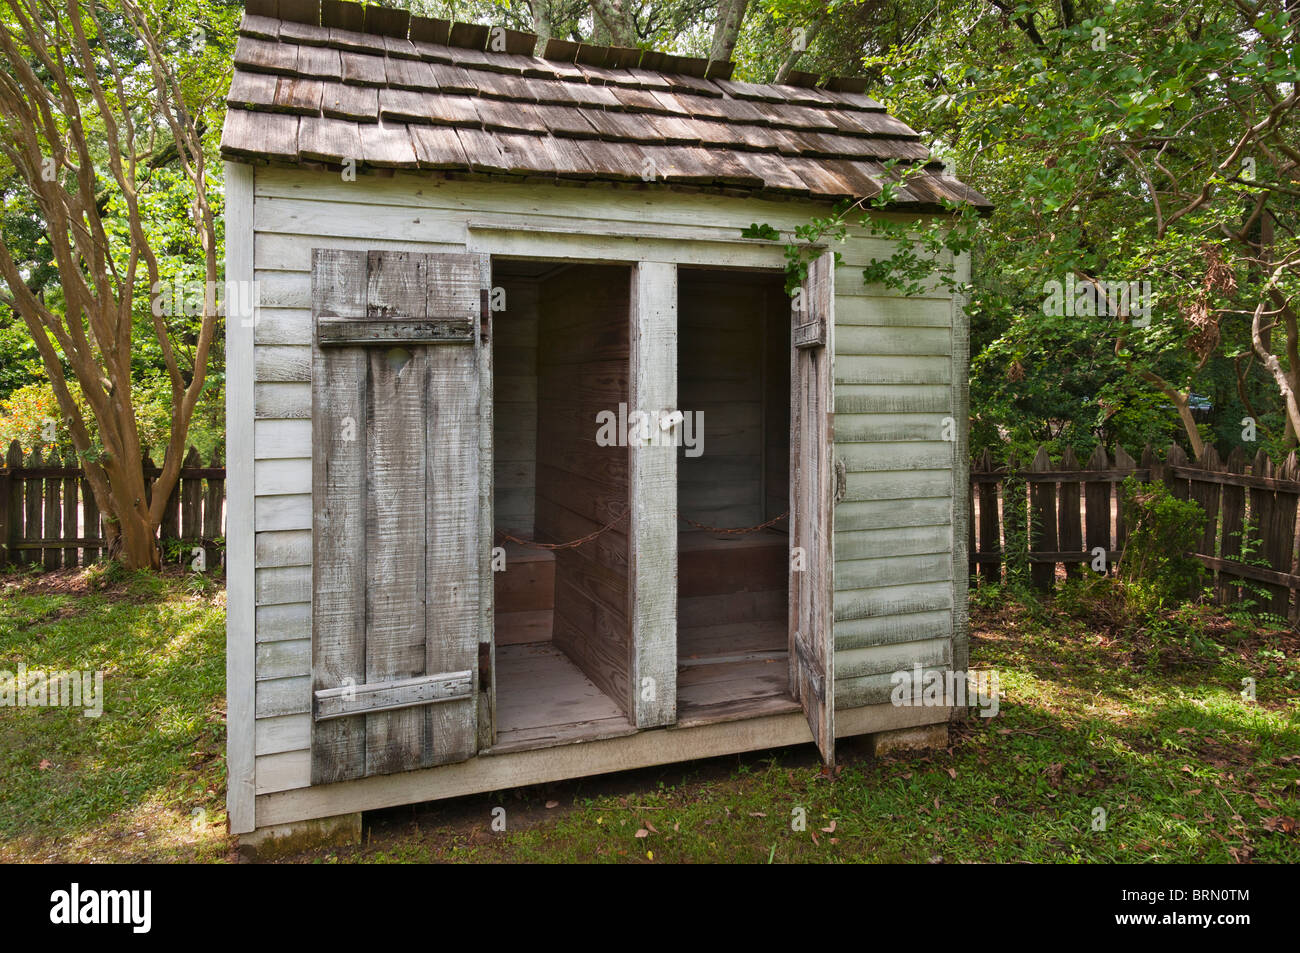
(733,588)
(560,354)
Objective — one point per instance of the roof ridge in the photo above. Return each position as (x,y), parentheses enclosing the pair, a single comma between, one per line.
(378,20)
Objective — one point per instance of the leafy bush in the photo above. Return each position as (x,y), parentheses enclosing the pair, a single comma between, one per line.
(1159,562)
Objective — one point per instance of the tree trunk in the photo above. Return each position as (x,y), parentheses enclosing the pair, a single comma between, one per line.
(797,53)
(731,16)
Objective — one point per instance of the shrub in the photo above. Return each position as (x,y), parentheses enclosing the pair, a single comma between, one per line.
(1163,534)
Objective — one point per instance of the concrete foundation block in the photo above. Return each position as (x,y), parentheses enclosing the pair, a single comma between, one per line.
(268,843)
(905,740)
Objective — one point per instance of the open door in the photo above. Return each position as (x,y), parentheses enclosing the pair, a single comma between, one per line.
(812,649)
(397,497)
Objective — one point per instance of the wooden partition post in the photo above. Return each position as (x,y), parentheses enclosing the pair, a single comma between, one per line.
(652,477)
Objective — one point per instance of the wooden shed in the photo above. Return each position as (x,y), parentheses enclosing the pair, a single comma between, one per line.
(503,378)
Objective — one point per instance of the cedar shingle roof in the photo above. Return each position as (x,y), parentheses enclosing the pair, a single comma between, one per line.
(325,81)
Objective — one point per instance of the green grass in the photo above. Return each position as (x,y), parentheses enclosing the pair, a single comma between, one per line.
(1101,710)
(1137,713)
(146,779)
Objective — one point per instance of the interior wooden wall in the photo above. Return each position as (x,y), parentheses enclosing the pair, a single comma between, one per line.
(728,371)
(583,358)
(514,419)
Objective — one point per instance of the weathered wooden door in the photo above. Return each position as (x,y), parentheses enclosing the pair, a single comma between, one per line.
(399,553)
(812,649)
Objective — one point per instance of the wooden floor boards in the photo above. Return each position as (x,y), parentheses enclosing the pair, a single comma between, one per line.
(543,699)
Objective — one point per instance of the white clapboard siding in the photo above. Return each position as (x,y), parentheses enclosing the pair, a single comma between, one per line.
(283,548)
(278,362)
(291,620)
(282,326)
(889,629)
(879,659)
(284,696)
(283,733)
(860,311)
(282,439)
(288,658)
(896,408)
(284,771)
(282,400)
(894,541)
(893,370)
(896,399)
(282,512)
(282,477)
(884,428)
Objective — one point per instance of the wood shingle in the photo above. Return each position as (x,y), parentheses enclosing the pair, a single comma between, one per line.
(332,81)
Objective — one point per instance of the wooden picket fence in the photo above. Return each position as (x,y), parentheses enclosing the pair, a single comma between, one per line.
(48,514)
(1067,513)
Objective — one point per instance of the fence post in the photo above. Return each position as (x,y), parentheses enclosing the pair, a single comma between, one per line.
(1096,500)
(10,492)
(1070,532)
(990,540)
(213,501)
(89,519)
(191,505)
(1178,486)
(52,557)
(169,527)
(1042,523)
(1124,462)
(32,523)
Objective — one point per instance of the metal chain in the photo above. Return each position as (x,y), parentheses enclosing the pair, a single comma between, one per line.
(571,543)
(736,531)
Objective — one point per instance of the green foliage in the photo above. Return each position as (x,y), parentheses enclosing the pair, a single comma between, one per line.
(1159,562)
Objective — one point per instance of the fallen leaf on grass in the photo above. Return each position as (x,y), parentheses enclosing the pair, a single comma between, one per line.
(45,763)
(1285,825)
(643,833)
(831,829)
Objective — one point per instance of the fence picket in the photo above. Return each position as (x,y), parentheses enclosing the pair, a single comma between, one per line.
(214,501)
(11,506)
(1042,521)
(1234,518)
(32,520)
(1206,493)
(1264,499)
(53,529)
(1069,530)
(90,520)
(990,541)
(1096,501)
(1279,538)
(191,501)
(49,516)
(70,510)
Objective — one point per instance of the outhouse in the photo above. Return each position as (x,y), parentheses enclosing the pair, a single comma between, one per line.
(536,469)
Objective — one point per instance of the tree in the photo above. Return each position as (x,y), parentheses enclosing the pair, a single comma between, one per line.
(1146,140)
(93,105)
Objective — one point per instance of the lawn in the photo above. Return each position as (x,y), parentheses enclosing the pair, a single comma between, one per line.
(146,779)
(1104,716)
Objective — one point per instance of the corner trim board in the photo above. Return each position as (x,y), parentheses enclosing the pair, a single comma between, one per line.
(241,649)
